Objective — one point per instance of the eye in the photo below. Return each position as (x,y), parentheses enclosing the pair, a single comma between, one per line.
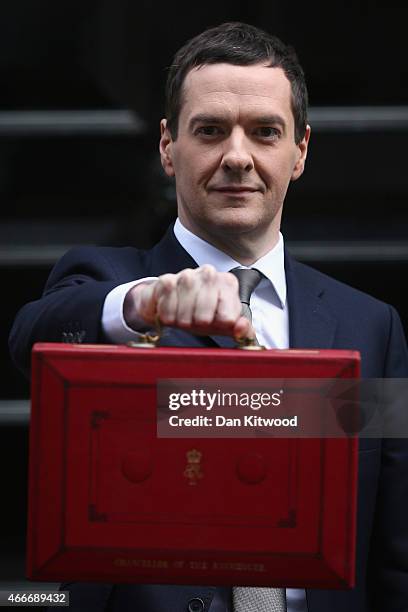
(266,131)
(209,130)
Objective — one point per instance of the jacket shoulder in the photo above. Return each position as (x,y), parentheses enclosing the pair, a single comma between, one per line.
(100,263)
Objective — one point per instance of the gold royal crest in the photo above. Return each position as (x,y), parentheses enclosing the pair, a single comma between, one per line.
(193,471)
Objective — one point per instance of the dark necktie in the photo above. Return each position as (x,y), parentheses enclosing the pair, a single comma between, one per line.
(258,599)
(248,279)
(249,599)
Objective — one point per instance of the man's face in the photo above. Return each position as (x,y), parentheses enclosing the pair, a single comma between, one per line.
(235,153)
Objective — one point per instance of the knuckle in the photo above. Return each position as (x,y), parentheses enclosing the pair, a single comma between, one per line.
(208,272)
(166,316)
(203,319)
(230,279)
(230,312)
(185,278)
(165,283)
(184,322)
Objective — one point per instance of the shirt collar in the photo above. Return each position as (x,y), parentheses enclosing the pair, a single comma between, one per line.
(272,265)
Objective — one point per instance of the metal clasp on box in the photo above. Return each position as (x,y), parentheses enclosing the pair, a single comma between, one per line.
(151,339)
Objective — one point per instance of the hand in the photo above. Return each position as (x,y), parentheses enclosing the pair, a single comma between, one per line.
(201,301)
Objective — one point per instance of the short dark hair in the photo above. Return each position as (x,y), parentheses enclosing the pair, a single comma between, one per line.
(240,44)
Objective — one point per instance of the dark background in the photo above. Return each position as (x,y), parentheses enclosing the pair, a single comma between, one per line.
(70,175)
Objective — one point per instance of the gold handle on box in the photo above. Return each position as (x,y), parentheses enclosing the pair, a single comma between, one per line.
(151,339)
(249,344)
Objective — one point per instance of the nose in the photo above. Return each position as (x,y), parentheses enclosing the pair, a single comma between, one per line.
(237,157)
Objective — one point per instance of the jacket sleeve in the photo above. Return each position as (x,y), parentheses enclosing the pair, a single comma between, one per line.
(70,307)
(388,571)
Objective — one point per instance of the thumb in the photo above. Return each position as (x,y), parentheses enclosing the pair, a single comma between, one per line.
(243,329)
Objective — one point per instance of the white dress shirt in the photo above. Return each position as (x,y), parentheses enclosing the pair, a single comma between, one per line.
(268,303)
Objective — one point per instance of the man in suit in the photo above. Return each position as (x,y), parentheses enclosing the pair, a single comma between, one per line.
(234,136)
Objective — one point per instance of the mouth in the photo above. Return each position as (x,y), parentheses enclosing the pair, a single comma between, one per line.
(235,190)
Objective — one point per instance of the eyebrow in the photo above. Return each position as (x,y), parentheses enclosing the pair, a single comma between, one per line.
(271,119)
(204,118)
(208,119)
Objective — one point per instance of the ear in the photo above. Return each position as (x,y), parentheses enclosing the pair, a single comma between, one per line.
(301,155)
(166,144)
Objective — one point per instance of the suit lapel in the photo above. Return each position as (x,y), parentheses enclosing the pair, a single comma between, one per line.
(168,256)
(311,323)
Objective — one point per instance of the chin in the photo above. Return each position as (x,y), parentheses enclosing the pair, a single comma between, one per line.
(236,221)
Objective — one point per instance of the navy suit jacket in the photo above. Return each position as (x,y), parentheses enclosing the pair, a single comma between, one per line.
(323,313)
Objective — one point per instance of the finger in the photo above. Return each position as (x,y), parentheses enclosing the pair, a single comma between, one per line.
(188,286)
(206,303)
(145,303)
(229,306)
(138,305)
(165,298)
(243,329)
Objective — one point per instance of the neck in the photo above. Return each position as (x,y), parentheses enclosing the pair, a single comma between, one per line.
(245,248)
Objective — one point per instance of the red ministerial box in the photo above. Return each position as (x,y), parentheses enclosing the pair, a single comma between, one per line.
(110,501)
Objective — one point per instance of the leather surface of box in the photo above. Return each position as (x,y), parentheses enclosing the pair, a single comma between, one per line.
(110,501)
